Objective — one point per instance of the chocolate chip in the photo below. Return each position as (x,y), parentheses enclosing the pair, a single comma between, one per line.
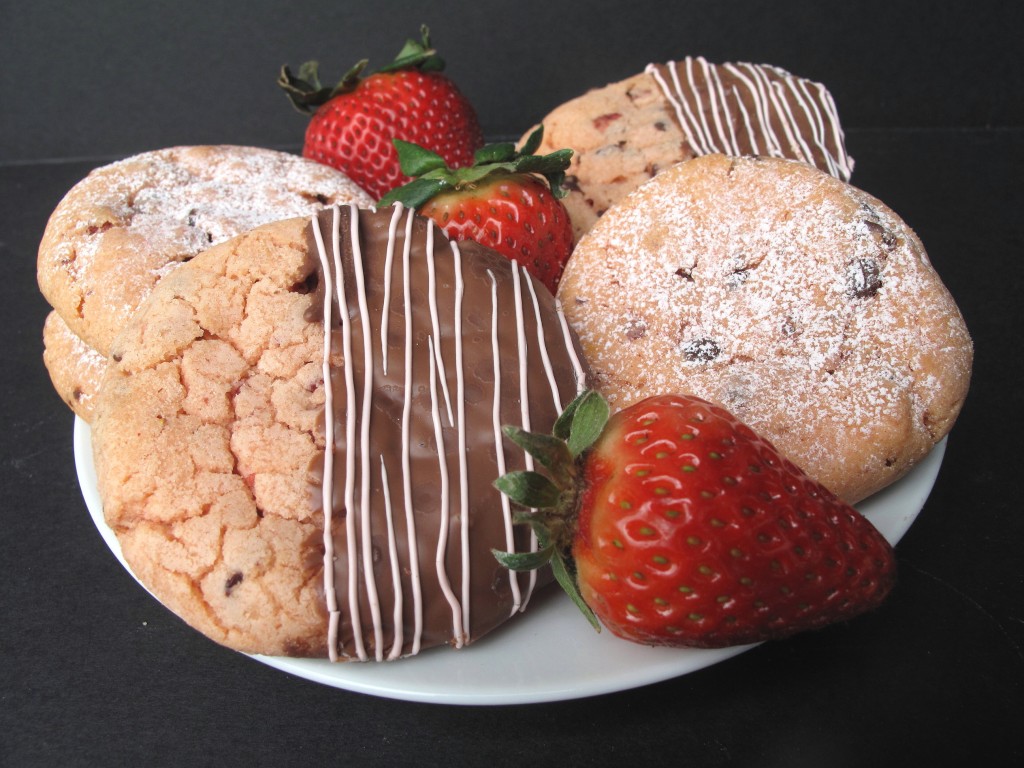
(700,350)
(97,229)
(636,328)
(863,278)
(737,277)
(686,273)
(308,285)
(233,581)
(571,183)
(601,122)
(887,236)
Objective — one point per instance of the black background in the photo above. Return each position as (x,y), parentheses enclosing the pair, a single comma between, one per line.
(94,672)
(101,79)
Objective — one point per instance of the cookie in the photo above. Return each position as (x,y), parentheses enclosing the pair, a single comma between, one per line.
(75,368)
(214,427)
(798,302)
(128,224)
(626,132)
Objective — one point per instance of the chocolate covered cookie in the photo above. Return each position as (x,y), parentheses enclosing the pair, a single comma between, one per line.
(628,131)
(800,303)
(297,439)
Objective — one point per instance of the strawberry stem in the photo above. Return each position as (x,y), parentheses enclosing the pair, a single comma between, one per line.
(497,158)
(582,421)
(550,502)
(417,55)
(306,93)
(530,489)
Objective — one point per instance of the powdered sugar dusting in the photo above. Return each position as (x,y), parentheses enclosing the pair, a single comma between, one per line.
(75,368)
(128,224)
(800,303)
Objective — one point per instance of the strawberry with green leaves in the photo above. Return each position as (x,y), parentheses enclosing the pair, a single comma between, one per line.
(353,123)
(508,200)
(675,524)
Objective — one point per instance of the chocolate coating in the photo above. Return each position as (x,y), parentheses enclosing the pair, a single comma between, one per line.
(416,406)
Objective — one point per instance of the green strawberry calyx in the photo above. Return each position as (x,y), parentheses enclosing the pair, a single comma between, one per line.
(548,499)
(432,176)
(306,92)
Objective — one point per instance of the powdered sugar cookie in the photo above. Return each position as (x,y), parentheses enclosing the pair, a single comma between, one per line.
(127,224)
(212,422)
(75,368)
(803,305)
(626,132)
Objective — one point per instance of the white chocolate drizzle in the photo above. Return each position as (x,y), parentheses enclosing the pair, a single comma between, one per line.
(385,311)
(499,449)
(445,506)
(432,292)
(460,378)
(410,509)
(346,302)
(524,400)
(754,109)
(364,434)
(327,485)
(396,576)
(350,431)
(577,366)
(543,347)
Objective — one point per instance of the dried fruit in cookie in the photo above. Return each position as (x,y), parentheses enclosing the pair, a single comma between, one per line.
(354,122)
(682,527)
(508,200)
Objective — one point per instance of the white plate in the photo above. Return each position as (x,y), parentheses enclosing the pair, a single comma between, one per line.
(548,654)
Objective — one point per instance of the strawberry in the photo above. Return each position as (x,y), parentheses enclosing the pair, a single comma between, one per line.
(354,122)
(508,200)
(680,526)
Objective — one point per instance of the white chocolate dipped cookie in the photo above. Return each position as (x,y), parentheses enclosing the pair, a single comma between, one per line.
(803,305)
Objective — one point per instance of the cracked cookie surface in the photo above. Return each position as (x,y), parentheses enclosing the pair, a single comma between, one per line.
(126,225)
(204,432)
(75,368)
(800,303)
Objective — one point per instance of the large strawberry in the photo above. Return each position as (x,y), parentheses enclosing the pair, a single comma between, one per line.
(509,200)
(682,527)
(353,123)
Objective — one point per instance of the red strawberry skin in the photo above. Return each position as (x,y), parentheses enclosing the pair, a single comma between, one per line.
(516,215)
(353,131)
(694,531)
